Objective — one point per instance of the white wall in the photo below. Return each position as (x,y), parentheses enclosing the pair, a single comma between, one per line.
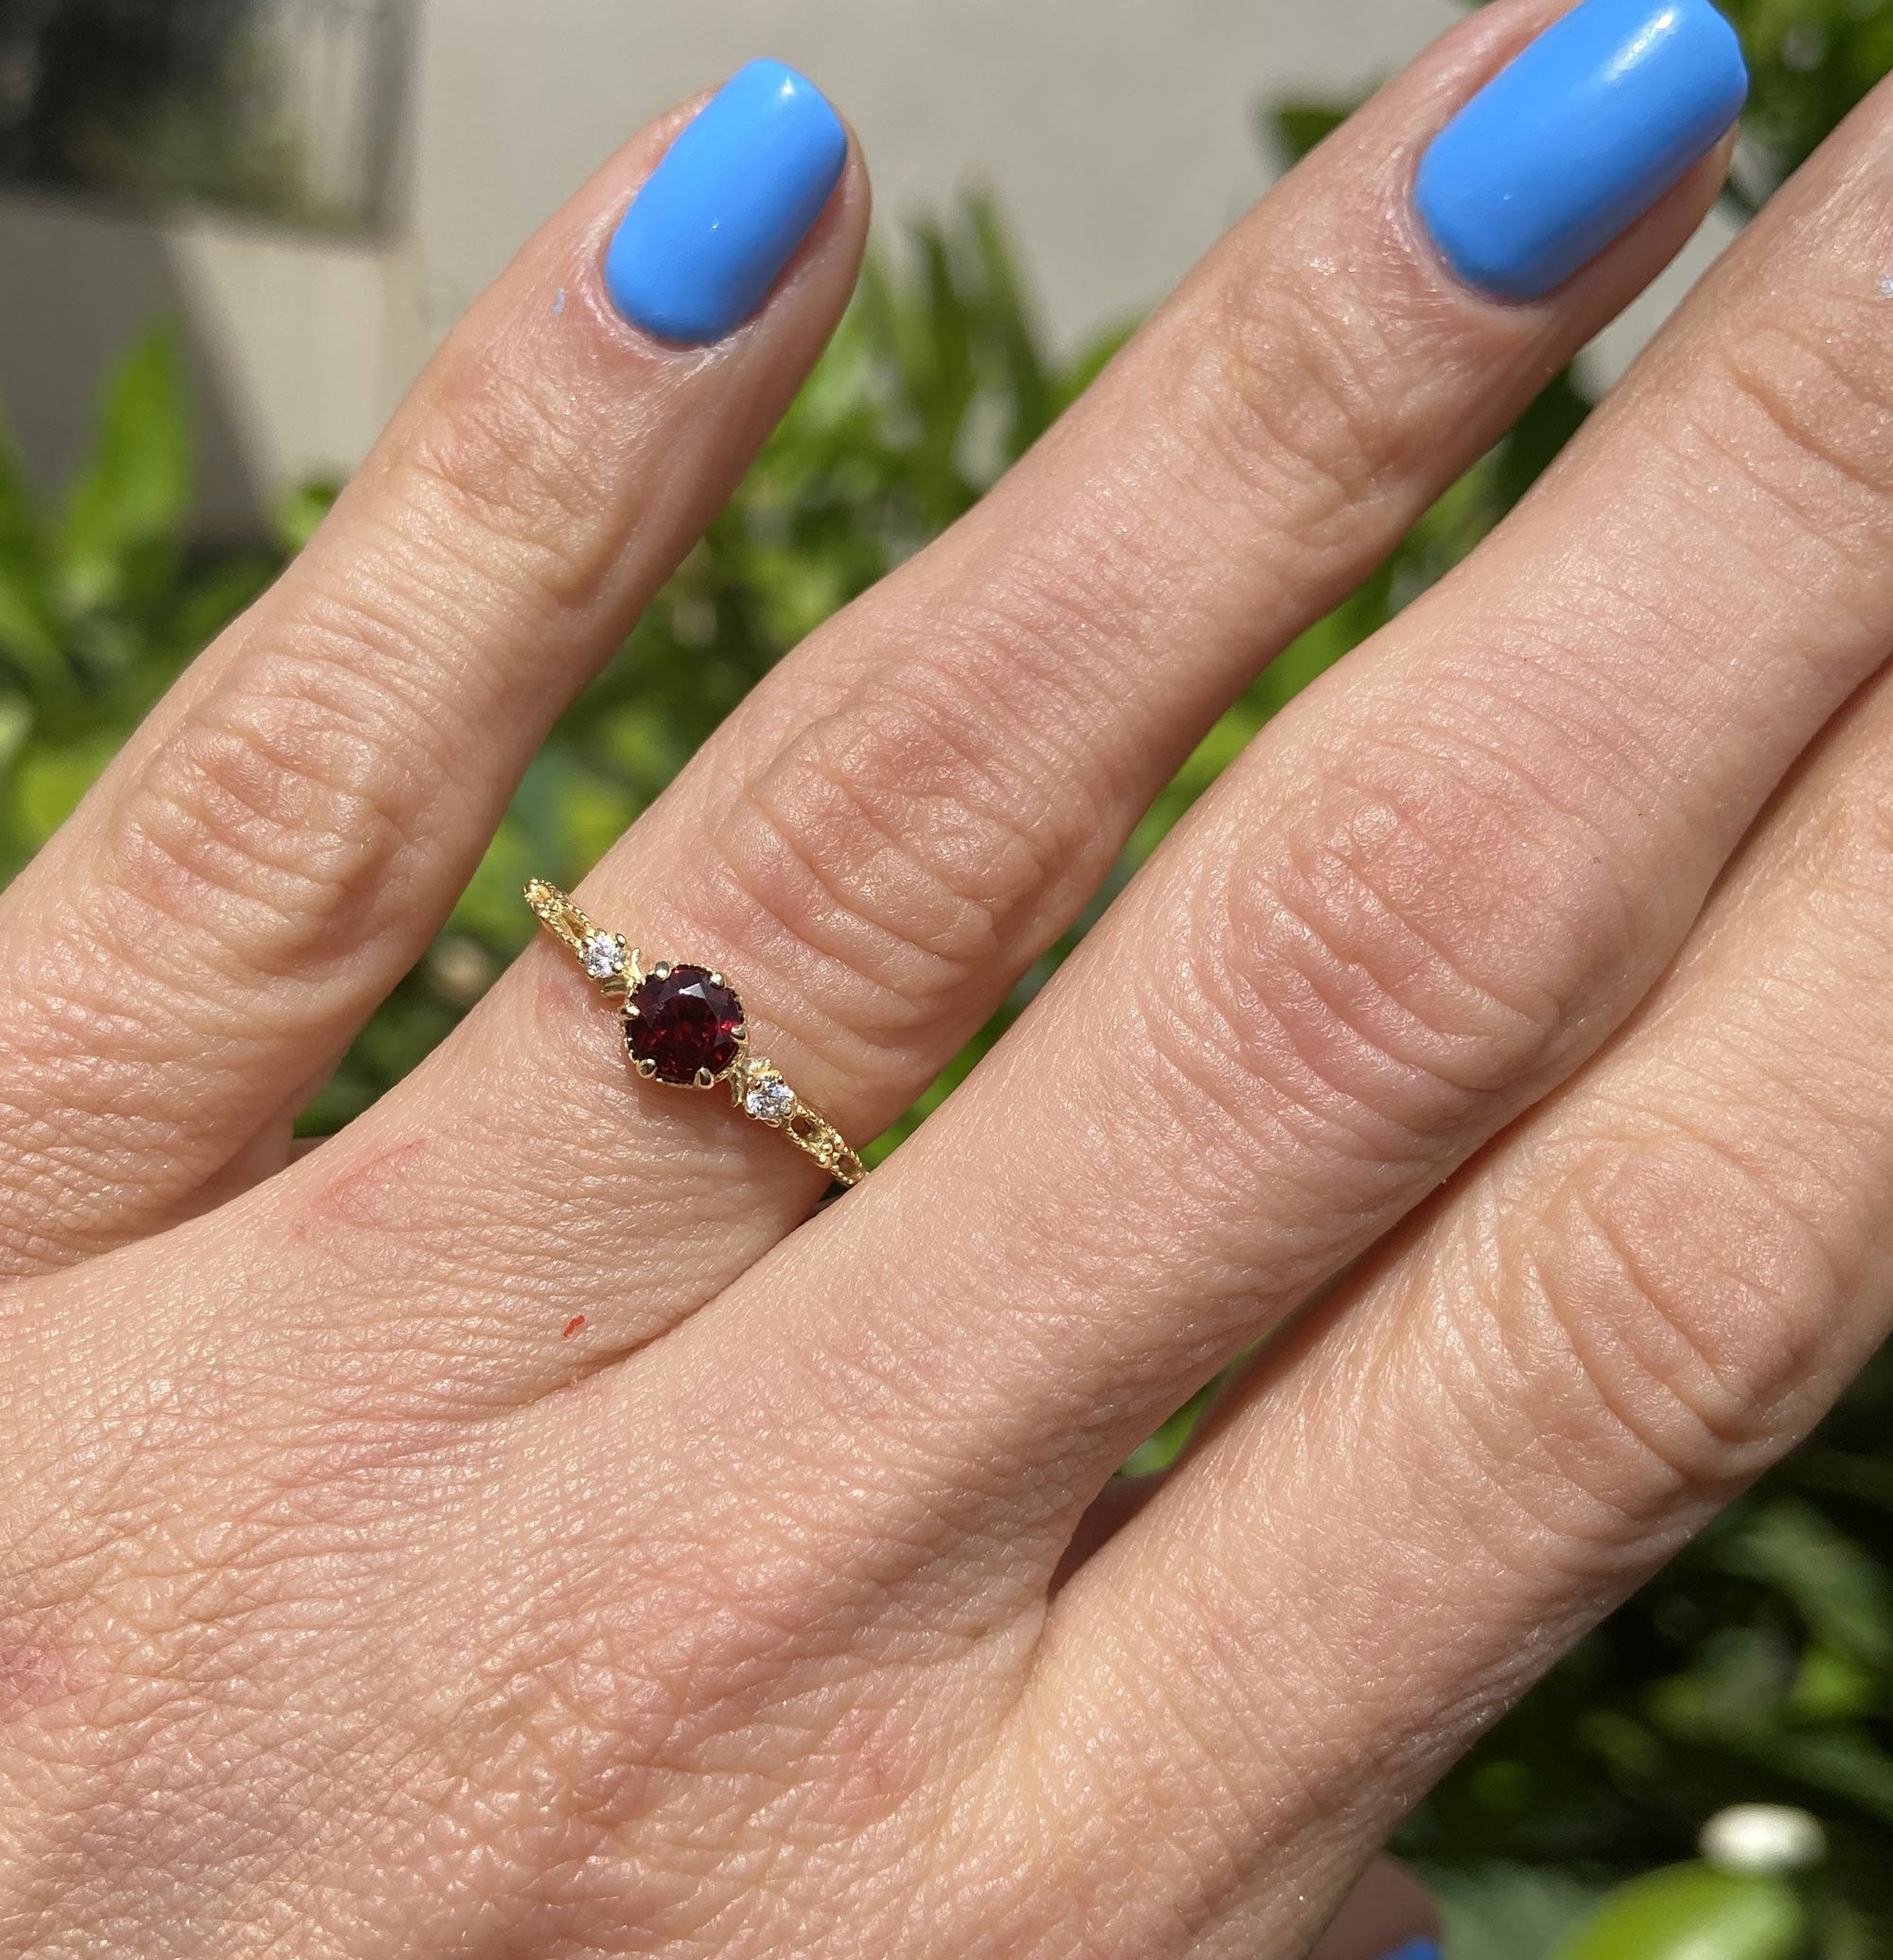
(1118,134)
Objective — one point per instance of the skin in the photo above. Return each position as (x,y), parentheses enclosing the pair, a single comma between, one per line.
(1510,1027)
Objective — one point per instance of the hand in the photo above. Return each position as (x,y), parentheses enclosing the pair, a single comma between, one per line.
(1517,1007)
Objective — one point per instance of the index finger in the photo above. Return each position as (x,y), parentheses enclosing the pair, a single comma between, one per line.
(283,836)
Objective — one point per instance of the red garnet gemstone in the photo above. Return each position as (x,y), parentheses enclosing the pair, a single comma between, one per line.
(682,1022)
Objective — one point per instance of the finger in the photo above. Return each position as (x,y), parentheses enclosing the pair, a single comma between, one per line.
(1426,892)
(916,802)
(1387,1916)
(1641,1295)
(284,835)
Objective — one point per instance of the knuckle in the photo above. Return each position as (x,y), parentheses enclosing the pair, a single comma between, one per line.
(1412,942)
(1682,1303)
(1804,404)
(637,1677)
(1292,388)
(899,841)
(1846,844)
(277,814)
(503,478)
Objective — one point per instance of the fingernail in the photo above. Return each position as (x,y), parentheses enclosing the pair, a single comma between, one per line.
(1416,1950)
(723,212)
(1580,135)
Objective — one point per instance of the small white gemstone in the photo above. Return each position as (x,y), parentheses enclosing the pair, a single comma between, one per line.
(603,955)
(770,1100)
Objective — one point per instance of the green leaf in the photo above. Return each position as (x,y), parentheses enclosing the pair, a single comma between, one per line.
(125,514)
(1012,326)
(1554,416)
(1090,362)
(19,519)
(1501,1911)
(16,726)
(1844,1596)
(1810,63)
(205,605)
(294,519)
(1159,1451)
(1694,1912)
(1291,130)
(49,781)
(29,639)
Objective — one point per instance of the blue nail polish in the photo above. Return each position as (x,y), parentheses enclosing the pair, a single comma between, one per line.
(723,212)
(1416,1950)
(1585,130)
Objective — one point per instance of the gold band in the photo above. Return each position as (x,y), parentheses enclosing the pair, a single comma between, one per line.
(683,1026)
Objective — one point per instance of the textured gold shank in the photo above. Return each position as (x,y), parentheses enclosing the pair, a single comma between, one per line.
(805,1127)
(557,913)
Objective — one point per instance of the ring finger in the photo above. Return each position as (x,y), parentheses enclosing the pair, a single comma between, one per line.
(1431,888)
(919,800)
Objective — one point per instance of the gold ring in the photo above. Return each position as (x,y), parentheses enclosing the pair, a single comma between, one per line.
(683,1026)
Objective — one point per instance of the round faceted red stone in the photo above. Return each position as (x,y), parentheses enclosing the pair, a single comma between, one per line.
(682,1023)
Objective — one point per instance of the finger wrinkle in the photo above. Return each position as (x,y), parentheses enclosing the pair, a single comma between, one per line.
(375,1193)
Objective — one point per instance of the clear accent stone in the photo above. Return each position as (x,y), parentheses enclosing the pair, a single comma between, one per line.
(602,955)
(770,1100)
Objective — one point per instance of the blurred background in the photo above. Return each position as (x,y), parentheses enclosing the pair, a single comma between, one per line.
(232,230)
(270,170)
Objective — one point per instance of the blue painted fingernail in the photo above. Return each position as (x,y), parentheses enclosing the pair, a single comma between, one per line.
(1585,130)
(723,212)
(1416,1950)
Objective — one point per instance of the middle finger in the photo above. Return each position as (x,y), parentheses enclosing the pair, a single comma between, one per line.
(1427,891)
(920,799)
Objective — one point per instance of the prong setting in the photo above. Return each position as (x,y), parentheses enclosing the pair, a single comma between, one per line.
(685,1022)
(763,1094)
(602,955)
(683,1026)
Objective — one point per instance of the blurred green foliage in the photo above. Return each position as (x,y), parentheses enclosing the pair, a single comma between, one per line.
(1809,62)
(100,603)
(1760,1664)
